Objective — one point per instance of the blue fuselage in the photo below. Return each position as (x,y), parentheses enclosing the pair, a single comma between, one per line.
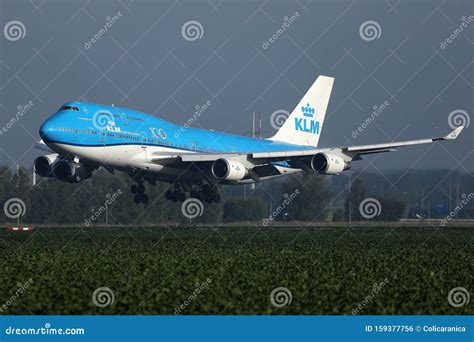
(93,125)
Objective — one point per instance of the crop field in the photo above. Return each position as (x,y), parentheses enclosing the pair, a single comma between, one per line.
(233,270)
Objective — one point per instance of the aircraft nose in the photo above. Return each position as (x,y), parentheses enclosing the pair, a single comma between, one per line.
(47,130)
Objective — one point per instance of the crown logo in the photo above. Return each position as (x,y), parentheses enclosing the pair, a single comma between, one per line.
(308,111)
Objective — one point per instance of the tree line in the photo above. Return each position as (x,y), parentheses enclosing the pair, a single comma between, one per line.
(105,199)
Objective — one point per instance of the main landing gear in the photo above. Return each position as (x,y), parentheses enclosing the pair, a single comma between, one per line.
(139,191)
(176,195)
(207,193)
(204,192)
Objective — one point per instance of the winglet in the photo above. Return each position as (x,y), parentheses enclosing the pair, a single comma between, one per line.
(454,134)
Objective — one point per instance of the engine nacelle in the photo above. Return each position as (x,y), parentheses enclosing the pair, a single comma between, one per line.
(44,165)
(68,171)
(225,169)
(328,164)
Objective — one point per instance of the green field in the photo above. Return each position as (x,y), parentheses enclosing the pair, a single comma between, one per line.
(155,270)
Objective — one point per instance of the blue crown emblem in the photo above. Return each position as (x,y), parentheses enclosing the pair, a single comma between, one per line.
(308,111)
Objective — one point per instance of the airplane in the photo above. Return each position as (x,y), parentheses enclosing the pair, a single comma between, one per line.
(83,137)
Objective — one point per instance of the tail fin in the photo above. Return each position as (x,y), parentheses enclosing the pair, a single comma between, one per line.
(305,123)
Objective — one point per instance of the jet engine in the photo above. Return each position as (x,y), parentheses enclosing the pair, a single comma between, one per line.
(44,165)
(328,163)
(225,169)
(68,171)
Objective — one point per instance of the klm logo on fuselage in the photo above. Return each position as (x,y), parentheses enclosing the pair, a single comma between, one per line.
(112,128)
(307,123)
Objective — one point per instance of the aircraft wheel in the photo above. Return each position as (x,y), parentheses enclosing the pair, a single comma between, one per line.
(206,188)
(181,196)
(141,189)
(174,198)
(168,195)
(201,195)
(205,196)
(134,189)
(144,198)
(137,198)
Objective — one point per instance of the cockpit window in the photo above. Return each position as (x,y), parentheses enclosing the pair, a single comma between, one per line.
(69,108)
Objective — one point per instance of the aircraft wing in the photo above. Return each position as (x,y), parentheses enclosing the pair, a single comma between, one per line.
(165,158)
(351,152)
(364,149)
(40,145)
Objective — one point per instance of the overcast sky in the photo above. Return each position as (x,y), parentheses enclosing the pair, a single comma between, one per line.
(378,51)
